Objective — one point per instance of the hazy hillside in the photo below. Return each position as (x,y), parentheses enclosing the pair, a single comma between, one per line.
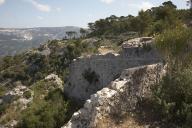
(14,40)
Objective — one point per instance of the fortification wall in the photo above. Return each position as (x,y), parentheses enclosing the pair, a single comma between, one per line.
(90,74)
(118,98)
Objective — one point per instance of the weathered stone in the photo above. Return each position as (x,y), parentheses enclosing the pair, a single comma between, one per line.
(107,68)
(11,124)
(55,79)
(135,84)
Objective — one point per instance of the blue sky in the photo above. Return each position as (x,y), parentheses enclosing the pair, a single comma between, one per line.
(57,13)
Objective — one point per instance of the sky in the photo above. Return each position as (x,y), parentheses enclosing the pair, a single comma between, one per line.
(59,13)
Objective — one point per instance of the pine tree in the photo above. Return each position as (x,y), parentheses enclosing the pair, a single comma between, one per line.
(189,3)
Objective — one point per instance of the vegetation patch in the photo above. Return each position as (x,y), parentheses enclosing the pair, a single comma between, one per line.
(49,109)
(173,95)
(27,94)
(2,91)
(90,76)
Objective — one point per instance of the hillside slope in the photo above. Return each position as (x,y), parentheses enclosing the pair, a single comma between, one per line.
(15,40)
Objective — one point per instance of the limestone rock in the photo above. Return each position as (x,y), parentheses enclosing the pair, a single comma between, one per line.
(107,68)
(55,79)
(11,124)
(137,42)
(18,92)
(119,97)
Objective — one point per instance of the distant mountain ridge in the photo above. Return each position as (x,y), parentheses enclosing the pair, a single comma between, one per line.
(16,40)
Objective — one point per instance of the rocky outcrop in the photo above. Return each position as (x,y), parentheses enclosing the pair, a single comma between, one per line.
(55,79)
(22,97)
(18,99)
(137,42)
(100,70)
(17,95)
(118,98)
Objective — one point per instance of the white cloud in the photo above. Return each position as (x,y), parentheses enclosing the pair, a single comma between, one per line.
(107,1)
(146,5)
(2,2)
(40,18)
(40,7)
(58,9)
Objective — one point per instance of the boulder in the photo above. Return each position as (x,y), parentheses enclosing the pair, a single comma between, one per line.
(55,79)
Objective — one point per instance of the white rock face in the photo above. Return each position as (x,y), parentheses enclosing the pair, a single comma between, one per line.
(55,79)
(107,68)
(18,91)
(11,124)
(137,42)
(119,97)
(91,40)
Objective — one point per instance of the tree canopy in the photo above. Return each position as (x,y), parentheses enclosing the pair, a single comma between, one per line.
(148,22)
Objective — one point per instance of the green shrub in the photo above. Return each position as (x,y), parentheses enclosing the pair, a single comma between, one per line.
(175,44)
(27,94)
(3,107)
(2,91)
(52,112)
(173,95)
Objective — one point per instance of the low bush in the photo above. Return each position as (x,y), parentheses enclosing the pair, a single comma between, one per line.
(51,112)
(175,45)
(27,94)
(173,95)
(2,91)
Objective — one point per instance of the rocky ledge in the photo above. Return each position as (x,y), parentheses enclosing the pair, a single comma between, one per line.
(118,98)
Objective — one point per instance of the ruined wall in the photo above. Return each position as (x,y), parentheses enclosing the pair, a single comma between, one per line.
(100,70)
(118,98)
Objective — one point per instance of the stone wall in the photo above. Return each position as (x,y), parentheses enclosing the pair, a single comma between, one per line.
(103,69)
(119,97)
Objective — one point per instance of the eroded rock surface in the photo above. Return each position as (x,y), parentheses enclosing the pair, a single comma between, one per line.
(118,98)
(17,93)
(55,79)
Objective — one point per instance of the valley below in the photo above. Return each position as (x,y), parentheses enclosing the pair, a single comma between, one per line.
(18,40)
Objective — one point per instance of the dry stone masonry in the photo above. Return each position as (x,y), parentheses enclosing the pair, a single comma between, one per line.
(93,73)
(119,97)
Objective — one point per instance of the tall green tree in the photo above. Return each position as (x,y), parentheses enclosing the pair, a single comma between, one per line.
(145,21)
(189,3)
(71,34)
(83,32)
